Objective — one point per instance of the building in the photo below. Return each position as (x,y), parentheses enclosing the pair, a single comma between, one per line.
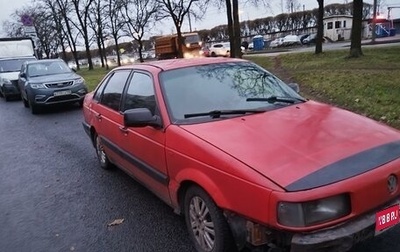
(338,27)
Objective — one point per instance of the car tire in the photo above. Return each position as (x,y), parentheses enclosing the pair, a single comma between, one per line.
(80,104)
(34,108)
(101,155)
(7,98)
(213,54)
(1,93)
(26,103)
(206,224)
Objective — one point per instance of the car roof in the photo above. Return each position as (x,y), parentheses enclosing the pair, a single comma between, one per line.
(171,64)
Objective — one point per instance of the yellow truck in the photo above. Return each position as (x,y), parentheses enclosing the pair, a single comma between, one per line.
(167,47)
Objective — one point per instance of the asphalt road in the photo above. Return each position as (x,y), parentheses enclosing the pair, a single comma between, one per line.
(54,196)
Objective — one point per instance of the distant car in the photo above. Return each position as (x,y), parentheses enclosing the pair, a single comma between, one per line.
(48,82)
(220,49)
(291,40)
(9,71)
(310,39)
(276,43)
(247,161)
(205,52)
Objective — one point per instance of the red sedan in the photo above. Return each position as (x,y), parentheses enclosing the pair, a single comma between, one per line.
(246,159)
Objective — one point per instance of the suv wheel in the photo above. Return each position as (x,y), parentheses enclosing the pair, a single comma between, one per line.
(34,108)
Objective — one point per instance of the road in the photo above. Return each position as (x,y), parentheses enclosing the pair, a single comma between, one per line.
(54,196)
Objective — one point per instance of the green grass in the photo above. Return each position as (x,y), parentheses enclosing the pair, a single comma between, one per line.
(369,85)
(92,77)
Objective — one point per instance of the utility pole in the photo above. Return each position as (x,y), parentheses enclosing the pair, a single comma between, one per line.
(190,22)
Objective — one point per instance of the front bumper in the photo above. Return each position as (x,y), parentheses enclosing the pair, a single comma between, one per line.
(48,96)
(341,237)
(11,90)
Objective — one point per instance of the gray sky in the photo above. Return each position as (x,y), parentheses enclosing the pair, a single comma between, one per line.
(213,16)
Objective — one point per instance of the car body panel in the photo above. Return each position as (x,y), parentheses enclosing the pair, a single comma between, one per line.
(250,163)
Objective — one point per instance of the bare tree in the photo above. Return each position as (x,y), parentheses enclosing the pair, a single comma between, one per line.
(116,23)
(356,30)
(81,8)
(97,18)
(138,15)
(178,10)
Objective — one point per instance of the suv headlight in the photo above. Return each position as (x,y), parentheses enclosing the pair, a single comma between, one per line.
(313,212)
(37,86)
(79,81)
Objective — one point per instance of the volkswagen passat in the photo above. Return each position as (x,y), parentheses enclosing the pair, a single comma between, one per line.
(48,82)
(246,159)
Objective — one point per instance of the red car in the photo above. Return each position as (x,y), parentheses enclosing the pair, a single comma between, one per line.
(246,159)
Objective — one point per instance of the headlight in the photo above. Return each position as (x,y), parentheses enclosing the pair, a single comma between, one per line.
(36,86)
(313,212)
(187,45)
(79,81)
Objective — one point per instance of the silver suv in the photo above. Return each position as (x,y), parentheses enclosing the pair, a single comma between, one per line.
(47,82)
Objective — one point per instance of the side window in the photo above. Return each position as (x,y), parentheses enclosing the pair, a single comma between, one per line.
(337,24)
(113,90)
(140,93)
(330,25)
(344,24)
(99,90)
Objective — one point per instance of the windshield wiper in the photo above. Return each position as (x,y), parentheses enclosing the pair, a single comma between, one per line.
(218,113)
(273,99)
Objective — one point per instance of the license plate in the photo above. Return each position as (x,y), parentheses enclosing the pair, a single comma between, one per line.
(387,218)
(64,92)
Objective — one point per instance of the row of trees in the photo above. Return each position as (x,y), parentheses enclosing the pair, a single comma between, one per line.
(63,24)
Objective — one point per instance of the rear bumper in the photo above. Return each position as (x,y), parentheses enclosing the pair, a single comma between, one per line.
(10,90)
(341,237)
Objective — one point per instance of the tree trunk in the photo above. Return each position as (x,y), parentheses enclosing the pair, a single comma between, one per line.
(355,47)
(140,42)
(236,29)
(374,23)
(117,49)
(320,27)
(180,39)
(230,27)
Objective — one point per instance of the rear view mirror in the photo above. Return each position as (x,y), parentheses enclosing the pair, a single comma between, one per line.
(22,75)
(295,87)
(141,117)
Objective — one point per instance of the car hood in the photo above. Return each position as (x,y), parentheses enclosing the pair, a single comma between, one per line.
(303,146)
(12,76)
(54,78)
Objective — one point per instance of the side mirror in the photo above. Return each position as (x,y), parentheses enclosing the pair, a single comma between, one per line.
(295,87)
(22,75)
(141,117)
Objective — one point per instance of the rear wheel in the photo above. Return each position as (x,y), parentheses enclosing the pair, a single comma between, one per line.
(213,54)
(206,223)
(101,155)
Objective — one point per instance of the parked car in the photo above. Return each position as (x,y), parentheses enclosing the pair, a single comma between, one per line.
(276,43)
(48,82)
(9,71)
(244,157)
(291,40)
(205,52)
(220,49)
(310,39)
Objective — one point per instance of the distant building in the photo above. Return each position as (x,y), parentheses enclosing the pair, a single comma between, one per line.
(338,27)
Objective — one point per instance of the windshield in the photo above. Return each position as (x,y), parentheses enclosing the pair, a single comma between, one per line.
(48,68)
(192,39)
(221,87)
(11,65)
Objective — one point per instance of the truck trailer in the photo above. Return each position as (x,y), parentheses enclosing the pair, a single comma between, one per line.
(167,47)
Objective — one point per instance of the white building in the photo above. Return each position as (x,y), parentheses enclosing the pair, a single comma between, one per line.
(338,27)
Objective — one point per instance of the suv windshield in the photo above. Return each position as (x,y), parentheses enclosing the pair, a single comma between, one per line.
(223,87)
(12,65)
(47,68)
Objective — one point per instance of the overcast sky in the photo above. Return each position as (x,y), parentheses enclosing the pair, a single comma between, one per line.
(213,16)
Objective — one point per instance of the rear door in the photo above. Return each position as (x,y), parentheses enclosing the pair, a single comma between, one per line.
(144,147)
(105,109)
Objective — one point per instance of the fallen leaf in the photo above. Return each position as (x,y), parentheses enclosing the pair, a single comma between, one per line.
(116,222)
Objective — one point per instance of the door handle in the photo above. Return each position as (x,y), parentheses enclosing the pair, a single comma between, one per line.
(123,130)
(97,115)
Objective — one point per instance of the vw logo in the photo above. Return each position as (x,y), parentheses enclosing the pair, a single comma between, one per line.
(392,183)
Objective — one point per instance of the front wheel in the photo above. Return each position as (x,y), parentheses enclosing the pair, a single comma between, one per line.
(206,223)
(101,155)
